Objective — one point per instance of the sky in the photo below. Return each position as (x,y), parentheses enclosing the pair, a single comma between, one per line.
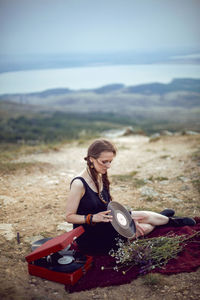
(93,26)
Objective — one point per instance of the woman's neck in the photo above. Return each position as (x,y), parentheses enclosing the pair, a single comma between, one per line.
(99,175)
(88,177)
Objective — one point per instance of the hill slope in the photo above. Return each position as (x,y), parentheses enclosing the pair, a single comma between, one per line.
(63,113)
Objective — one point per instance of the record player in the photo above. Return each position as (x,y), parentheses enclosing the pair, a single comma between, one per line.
(57,260)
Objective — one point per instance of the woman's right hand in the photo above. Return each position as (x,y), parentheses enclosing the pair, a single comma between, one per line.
(139,230)
(102,216)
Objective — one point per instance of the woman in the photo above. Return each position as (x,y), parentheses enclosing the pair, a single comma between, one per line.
(88,199)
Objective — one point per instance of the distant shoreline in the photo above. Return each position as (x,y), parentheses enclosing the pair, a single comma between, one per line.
(93,77)
(30,62)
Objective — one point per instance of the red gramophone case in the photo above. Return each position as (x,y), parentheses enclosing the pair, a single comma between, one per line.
(53,246)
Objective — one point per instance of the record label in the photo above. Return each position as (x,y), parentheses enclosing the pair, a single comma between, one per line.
(65,260)
(121,219)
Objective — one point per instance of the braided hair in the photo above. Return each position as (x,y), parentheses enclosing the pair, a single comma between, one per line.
(95,150)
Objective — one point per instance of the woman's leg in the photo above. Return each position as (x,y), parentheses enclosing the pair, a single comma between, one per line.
(149,217)
(147,220)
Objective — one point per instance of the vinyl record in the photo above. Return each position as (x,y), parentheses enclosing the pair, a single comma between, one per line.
(53,263)
(39,243)
(122,221)
(65,260)
(77,262)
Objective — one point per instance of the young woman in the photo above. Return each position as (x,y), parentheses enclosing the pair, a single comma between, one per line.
(88,199)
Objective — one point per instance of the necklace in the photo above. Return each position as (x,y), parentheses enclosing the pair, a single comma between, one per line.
(101,198)
(100,194)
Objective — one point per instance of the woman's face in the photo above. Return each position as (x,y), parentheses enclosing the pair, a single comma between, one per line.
(103,162)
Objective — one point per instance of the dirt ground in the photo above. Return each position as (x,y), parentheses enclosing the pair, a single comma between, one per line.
(144,175)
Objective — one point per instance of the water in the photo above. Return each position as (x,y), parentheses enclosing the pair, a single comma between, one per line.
(93,77)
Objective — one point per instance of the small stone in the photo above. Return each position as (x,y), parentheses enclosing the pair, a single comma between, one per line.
(165,287)
(55,293)
(184,179)
(4,260)
(52,182)
(33,239)
(176,200)
(184,188)
(190,132)
(148,191)
(129,131)
(154,137)
(147,181)
(7,231)
(166,133)
(48,206)
(185,292)
(164,182)
(65,226)
(7,200)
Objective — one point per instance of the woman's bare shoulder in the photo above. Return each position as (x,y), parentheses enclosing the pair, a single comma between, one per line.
(77,187)
(77,182)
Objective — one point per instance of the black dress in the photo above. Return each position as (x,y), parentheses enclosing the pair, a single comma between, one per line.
(100,237)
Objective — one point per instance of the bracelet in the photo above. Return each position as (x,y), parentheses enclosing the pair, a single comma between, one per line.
(91,219)
(85,218)
(88,219)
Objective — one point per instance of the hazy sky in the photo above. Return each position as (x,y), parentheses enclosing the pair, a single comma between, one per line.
(55,26)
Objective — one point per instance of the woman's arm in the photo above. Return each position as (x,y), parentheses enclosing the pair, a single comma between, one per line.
(76,193)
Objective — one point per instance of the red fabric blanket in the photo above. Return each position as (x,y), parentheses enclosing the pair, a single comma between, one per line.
(187,261)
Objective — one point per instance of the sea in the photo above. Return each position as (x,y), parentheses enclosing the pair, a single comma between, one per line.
(93,77)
